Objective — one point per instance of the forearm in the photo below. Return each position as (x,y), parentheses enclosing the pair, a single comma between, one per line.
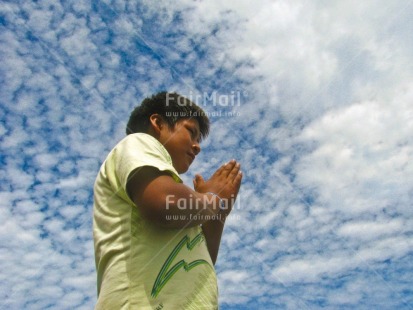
(213,232)
(182,207)
(167,203)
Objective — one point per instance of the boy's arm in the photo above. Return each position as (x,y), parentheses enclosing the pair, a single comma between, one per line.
(160,197)
(166,202)
(213,229)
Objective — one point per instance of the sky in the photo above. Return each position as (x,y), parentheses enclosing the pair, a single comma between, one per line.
(314,98)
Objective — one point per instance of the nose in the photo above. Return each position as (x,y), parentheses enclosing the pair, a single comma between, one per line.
(196,148)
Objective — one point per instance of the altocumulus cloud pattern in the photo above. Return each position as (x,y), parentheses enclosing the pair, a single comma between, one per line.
(322,123)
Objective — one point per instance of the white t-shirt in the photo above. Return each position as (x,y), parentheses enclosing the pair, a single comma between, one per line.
(141,265)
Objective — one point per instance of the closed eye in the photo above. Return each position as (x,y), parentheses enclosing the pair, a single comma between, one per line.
(194,134)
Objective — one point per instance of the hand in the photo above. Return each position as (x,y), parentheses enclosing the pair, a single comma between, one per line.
(225,182)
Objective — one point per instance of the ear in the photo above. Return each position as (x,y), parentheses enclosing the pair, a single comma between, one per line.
(156,123)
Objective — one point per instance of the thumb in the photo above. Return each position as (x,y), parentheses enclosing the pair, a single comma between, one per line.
(198,180)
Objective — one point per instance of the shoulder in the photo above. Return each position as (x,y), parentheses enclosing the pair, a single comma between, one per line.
(140,139)
(143,143)
(138,150)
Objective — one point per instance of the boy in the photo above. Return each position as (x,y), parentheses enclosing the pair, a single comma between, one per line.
(156,240)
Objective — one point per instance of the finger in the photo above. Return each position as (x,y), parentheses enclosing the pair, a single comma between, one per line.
(228,168)
(198,180)
(237,180)
(234,172)
(198,177)
(220,170)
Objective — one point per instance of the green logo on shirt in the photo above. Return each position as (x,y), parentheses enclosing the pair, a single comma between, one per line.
(167,272)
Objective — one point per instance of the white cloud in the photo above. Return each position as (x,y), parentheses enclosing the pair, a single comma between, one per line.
(360,156)
(371,230)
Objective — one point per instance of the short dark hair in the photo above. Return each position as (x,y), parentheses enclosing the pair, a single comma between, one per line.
(172,107)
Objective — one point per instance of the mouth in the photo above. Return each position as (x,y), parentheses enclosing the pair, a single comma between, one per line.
(192,156)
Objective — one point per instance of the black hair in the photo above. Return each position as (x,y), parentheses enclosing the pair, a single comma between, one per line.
(172,107)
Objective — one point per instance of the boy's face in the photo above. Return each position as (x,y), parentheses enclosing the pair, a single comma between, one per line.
(182,142)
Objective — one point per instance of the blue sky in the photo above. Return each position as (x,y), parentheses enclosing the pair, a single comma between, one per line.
(313,98)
